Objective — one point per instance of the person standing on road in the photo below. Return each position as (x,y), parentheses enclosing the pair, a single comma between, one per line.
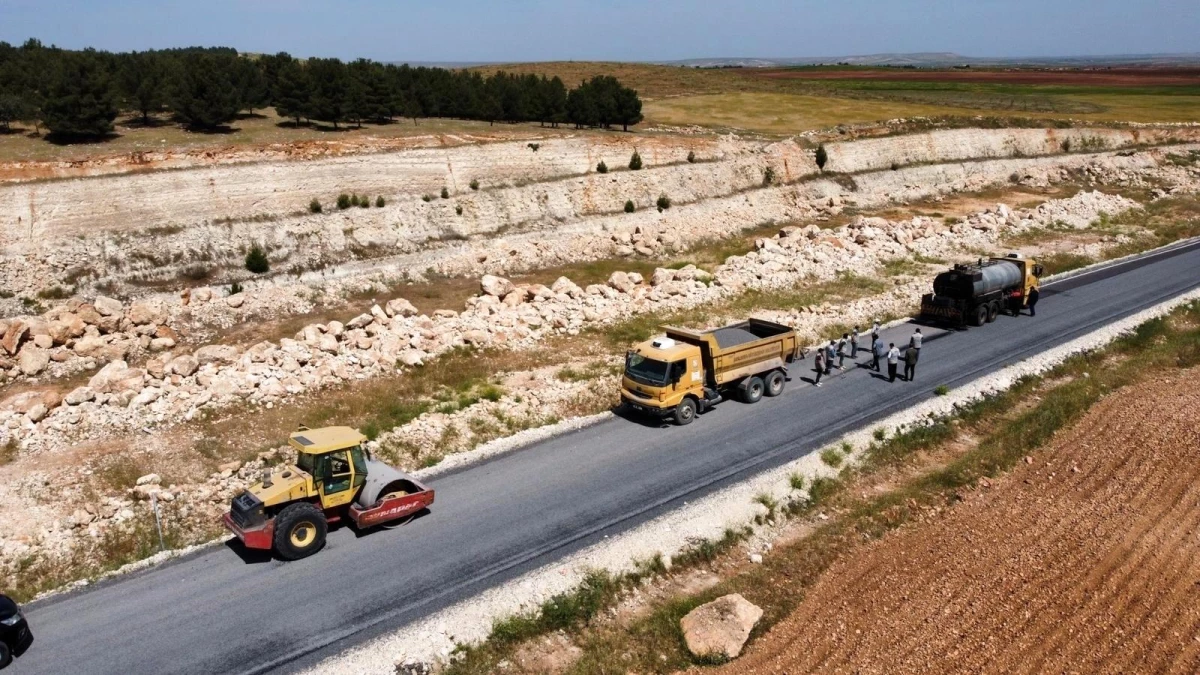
(819,363)
(874,334)
(841,351)
(893,357)
(910,363)
(1033,298)
(915,342)
(878,351)
(830,353)
(854,343)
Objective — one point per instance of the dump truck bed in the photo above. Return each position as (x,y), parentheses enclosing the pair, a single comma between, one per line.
(741,349)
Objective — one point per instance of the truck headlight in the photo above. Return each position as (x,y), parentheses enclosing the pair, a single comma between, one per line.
(12,620)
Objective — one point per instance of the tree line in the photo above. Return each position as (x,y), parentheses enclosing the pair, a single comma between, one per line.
(78,94)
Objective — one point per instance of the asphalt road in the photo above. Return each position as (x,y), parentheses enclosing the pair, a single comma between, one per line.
(218,611)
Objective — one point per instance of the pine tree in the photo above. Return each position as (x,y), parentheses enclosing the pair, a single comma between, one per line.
(143,82)
(206,93)
(628,107)
(822,157)
(256,260)
(292,92)
(329,90)
(253,88)
(79,100)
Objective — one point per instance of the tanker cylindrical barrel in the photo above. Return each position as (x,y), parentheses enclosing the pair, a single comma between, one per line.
(998,275)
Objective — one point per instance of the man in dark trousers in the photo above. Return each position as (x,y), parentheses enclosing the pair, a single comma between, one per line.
(878,351)
(819,363)
(854,343)
(1033,298)
(893,357)
(910,363)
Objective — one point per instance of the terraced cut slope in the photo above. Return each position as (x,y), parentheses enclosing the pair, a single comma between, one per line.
(1086,560)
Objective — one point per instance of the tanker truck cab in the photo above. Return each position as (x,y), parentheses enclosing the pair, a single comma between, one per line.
(333,480)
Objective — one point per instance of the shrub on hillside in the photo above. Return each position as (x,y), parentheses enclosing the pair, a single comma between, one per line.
(822,156)
(256,260)
(314,206)
(474,184)
(601,167)
(379,202)
(343,201)
(663,203)
(629,207)
(635,162)
(691,157)
(768,176)
(445,193)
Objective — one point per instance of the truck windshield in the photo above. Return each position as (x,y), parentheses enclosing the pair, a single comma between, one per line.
(647,371)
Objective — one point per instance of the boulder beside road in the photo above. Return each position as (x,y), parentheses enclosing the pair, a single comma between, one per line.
(720,627)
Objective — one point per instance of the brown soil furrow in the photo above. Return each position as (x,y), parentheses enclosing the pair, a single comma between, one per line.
(1116,574)
(1146,593)
(1049,570)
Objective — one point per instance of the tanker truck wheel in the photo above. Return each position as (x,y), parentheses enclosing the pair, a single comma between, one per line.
(981,315)
(775,382)
(300,530)
(993,311)
(685,412)
(754,390)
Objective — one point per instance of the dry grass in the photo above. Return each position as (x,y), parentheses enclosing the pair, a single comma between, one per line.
(781,113)
(263,129)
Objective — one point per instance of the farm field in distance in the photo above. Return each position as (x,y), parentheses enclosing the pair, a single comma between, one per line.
(793,100)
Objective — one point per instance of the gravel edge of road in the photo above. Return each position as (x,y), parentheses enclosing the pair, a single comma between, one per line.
(470,621)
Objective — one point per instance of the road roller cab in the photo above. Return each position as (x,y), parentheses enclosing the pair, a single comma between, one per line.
(289,511)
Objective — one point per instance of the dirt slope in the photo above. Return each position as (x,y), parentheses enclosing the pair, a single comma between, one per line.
(1086,560)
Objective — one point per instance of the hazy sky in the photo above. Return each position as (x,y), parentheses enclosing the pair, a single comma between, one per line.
(539,30)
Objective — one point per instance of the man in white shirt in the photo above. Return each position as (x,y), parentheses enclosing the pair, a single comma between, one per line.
(915,342)
(893,361)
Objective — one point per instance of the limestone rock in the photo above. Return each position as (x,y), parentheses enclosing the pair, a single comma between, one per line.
(33,359)
(117,377)
(145,313)
(400,307)
(183,365)
(495,286)
(217,354)
(107,306)
(720,627)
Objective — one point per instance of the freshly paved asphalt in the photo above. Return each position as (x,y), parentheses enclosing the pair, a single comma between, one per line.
(219,611)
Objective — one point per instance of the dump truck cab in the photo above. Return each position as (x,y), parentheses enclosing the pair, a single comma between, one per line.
(684,371)
(334,478)
(662,373)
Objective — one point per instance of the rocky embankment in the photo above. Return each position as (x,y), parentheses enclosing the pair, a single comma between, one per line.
(175,387)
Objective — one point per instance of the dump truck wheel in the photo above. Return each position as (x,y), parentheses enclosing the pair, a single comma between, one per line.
(754,390)
(300,530)
(981,314)
(775,382)
(685,412)
(993,311)
(5,655)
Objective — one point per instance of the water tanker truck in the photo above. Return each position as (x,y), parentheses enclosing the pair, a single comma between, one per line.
(685,372)
(978,292)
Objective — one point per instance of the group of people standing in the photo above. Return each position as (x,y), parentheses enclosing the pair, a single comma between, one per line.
(848,346)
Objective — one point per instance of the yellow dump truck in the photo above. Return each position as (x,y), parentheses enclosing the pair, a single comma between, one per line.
(685,372)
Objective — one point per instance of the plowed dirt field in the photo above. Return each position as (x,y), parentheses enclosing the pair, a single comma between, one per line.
(1086,560)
